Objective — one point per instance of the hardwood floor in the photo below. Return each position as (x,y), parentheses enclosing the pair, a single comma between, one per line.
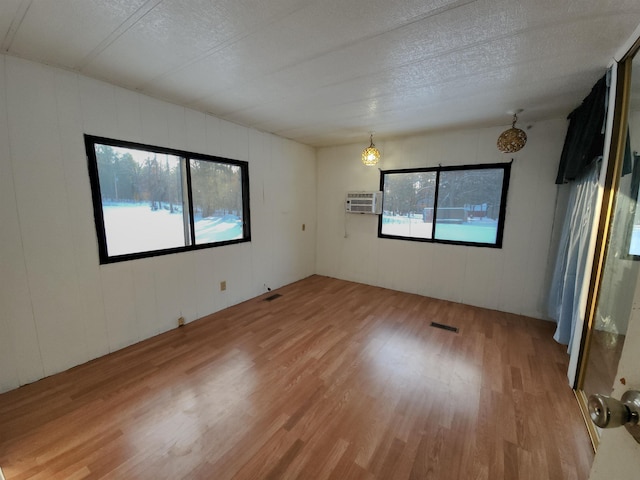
(332,380)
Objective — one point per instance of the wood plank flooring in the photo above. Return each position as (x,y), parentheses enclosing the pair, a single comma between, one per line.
(333,380)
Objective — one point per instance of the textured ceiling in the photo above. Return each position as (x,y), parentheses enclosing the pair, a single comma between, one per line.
(327,72)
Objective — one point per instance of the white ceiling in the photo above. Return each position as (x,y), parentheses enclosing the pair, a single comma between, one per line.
(327,72)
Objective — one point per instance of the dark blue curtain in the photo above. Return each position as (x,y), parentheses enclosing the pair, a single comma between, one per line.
(585,137)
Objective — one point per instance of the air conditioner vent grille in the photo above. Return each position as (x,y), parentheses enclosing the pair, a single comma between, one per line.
(364,202)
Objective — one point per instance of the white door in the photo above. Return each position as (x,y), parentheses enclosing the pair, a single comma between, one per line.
(618,456)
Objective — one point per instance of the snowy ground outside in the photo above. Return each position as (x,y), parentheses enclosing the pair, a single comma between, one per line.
(476,230)
(132,228)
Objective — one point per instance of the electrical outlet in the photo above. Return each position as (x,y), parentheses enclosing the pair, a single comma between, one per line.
(223,285)
(181,322)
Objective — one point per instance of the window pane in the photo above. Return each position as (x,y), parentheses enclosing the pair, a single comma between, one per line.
(469,205)
(143,199)
(408,204)
(141,196)
(217,201)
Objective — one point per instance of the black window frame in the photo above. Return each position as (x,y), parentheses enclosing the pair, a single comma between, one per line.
(92,140)
(439,169)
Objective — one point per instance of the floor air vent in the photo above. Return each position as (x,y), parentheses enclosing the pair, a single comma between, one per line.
(272,297)
(444,327)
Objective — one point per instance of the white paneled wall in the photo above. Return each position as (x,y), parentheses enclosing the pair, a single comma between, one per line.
(59,307)
(511,279)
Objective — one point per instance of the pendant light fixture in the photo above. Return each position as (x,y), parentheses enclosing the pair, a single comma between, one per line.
(370,155)
(513,139)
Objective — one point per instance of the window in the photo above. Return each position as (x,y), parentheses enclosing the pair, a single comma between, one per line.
(151,201)
(459,205)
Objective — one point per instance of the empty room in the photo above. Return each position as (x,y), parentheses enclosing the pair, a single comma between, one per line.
(404,242)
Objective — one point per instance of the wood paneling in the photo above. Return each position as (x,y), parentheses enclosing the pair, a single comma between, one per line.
(60,307)
(347,246)
(332,380)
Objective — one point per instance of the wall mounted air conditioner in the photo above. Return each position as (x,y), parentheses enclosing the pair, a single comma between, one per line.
(364,202)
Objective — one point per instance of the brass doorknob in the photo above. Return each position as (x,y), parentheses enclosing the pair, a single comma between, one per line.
(607,412)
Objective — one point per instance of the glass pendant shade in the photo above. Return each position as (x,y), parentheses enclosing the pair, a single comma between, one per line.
(513,139)
(370,155)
